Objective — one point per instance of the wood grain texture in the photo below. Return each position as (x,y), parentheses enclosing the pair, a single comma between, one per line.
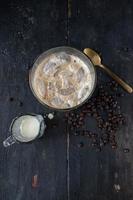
(105,26)
(64,171)
(27,28)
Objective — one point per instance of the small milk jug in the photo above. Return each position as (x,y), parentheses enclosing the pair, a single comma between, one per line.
(25,128)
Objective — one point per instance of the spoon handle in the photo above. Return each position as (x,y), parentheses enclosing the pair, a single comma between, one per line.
(127,87)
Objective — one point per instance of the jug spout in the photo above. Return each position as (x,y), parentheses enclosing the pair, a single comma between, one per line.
(9,141)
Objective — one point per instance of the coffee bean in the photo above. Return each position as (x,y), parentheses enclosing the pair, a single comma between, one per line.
(77,116)
(94,139)
(99,126)
(69,122)
(66,115)
(85,111)
(72,128)
(89,114)
(95,115)
(81,114)
(92,104)
(101,121)
(72,114)
(122,95)
(98,149)
(124,121)
(126,150)
(74,124)
(81,118)
(81,144)
(70,118)
(94,144)
(112,136)
(105,141)
(108,128)
(112,131)
(86,133)
(104,107)
(107,107)
(76,133)
(114,146)
(101,143)
(101,87)
(20,103)
(74,120)
(120,122)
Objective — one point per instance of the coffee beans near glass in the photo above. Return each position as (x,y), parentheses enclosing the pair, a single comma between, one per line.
(62,78)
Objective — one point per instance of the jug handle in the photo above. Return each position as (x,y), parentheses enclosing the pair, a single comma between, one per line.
(9,141)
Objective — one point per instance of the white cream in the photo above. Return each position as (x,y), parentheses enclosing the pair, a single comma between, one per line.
(29,127)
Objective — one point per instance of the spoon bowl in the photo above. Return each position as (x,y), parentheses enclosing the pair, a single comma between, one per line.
(95,58)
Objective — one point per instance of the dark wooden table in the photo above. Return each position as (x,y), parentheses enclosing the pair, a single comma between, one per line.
(65,171)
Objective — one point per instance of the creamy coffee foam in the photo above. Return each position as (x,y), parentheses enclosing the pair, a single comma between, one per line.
(62,81)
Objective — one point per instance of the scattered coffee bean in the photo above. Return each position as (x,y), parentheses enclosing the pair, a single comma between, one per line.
(80,123)
(101,143)
(93,135)
(81,144)
(82,115)
(87,133)
(98,149)
(66,115)
(104,107)
(81,118)
(76,133)
(71,127)
(114,146)
(126,150)
(94,144)
(74,124)
(69,122)
(20,103)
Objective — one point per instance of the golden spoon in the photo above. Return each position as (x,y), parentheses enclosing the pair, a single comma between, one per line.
(96,60)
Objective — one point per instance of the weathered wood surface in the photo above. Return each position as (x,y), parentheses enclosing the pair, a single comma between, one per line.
(105,26)
(27,28)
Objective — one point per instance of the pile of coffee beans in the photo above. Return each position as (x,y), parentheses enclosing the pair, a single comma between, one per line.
(105,109)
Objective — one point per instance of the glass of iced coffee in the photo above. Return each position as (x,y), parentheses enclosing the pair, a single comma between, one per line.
(62,78)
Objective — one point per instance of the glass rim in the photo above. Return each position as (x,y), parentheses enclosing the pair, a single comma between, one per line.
(31,71)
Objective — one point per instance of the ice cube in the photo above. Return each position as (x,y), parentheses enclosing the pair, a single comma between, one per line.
(83,92)
(66,91)
(56,101)
(65,83)
(63,57)
(71,102)
(66,73)
(41,87)
(57,71)
(67,105)
(51,86)
(49,68)
(80,74)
